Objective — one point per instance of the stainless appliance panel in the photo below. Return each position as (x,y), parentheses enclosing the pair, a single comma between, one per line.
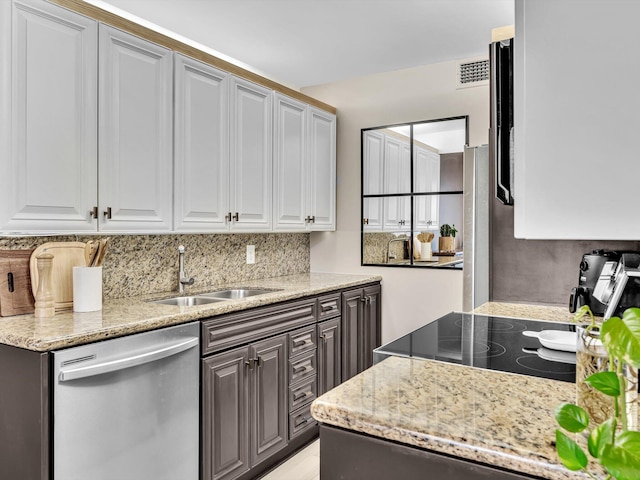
(128,408)
(475,283)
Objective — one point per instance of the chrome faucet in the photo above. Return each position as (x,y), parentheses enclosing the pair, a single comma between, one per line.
(183,279)
(399,239)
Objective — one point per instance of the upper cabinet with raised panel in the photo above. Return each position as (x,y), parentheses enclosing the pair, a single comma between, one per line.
(250,155)
(201,175)
(49,118)
(95,136)
(321,203)
(304,167)
(576,119)
(136,133)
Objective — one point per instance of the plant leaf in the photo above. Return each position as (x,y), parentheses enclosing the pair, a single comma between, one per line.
(571,417)
(621,336)
(623,459)
(569,453)
(600,438)
(605,382)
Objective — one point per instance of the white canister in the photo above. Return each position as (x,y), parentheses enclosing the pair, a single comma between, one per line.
(425,251)
(87,289)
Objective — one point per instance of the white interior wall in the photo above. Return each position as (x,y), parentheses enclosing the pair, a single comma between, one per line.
(410,297)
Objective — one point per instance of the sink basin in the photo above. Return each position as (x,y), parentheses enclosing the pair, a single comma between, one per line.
(187,301)
(233,293)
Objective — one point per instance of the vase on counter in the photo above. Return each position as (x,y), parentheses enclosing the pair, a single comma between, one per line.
(592,357)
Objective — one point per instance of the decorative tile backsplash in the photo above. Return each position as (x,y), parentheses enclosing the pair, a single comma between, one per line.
(144,264)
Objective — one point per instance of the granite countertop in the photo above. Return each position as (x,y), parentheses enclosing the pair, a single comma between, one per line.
(132,315)
(497,418)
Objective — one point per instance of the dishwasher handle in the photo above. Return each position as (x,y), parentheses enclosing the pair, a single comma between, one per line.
(127,362)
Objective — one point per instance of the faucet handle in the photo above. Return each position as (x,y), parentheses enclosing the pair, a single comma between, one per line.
(181,249)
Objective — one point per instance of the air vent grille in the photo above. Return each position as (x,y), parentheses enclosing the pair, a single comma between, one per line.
(473,73)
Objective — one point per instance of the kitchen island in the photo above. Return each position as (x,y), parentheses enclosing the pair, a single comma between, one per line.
(497,424)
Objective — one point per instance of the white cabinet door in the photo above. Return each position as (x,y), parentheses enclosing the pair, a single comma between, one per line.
(372,183)
(251,156)
(290,165)
(322,170)
(49,142)
(426,168)
(201,174)
(576,119)
(136,133)
(397,179)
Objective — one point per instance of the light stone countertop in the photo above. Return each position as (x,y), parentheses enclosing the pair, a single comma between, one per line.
(497,418)
(132,315)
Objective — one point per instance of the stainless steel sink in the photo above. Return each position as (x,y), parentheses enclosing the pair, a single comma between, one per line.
(234,293)
(191,301)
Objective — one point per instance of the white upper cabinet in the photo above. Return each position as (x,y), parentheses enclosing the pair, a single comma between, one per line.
(104,131)
(426,168)
(322,170)
(251,156)
(304,167)
(373,154)
(290,165)
(201,175)
(397,180)
(576,109)
(136,133)
(48,118)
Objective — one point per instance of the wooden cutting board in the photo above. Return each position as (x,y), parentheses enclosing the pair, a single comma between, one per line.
(66,255)
(15,283)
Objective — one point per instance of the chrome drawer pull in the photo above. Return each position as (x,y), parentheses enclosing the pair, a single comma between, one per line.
(301,395)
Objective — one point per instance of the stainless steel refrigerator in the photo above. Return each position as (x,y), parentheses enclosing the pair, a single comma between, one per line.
(475,286)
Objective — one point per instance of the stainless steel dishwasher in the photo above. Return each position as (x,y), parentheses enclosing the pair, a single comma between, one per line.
(128,408)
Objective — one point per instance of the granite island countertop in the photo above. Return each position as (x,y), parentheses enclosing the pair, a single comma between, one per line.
(126,316)
(496,418)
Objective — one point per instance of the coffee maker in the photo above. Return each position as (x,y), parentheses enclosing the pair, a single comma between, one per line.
(595,266)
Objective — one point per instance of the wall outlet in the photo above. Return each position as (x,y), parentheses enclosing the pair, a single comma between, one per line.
(251,254)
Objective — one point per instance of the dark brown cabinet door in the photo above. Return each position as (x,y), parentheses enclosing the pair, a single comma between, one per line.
(269,412)
(360,329)
(225,433)
(371,324)
(352,310)
(329,355)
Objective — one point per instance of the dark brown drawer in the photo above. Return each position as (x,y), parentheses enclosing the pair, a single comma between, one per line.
(329,306)
(226,331)
(300,421)
(303,393)
(302,340)
(302,367)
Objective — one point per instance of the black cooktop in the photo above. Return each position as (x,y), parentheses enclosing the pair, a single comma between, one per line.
(493,343)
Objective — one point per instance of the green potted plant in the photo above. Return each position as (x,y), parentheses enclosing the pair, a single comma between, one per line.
(446,242)
(612,443)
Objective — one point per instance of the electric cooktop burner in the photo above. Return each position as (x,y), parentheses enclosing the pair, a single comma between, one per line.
(493,343)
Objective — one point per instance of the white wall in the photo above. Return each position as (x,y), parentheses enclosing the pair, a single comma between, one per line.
(410,297)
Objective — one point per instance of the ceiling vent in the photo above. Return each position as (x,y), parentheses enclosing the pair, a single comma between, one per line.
(472,72)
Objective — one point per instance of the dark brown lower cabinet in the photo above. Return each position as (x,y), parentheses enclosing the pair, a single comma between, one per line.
(360,329)
(245,405)
(24,414)
(329,355)
(349,455)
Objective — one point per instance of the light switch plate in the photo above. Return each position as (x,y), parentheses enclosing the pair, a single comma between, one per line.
(251,254)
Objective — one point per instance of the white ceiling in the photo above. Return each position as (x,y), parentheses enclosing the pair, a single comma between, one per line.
(309,42)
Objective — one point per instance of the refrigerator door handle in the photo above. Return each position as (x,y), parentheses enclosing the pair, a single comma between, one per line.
(500,127)
(127,362)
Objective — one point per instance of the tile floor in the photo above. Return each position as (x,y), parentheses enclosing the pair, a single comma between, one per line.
(304,465)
